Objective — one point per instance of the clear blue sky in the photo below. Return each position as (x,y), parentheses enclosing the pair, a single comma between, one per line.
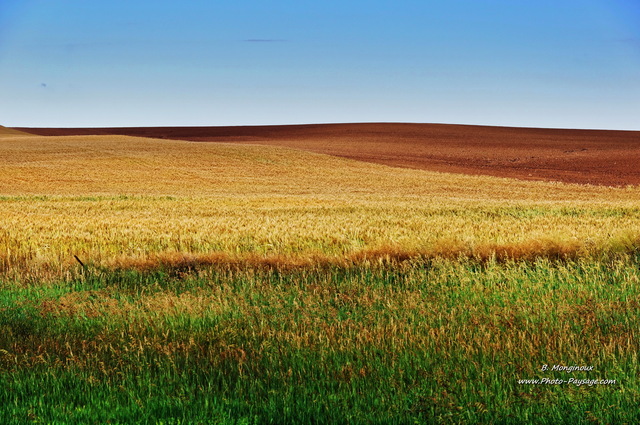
(535,63)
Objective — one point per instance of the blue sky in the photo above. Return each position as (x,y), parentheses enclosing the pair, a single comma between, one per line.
(561,63)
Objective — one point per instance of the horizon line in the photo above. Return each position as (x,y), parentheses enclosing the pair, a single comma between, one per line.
(322,124)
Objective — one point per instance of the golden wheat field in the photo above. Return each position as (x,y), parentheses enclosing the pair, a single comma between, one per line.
(123,201)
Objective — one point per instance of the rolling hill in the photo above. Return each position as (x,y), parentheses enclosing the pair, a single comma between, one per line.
(597,157)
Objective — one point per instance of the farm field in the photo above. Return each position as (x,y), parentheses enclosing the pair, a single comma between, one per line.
(165,281)
(597,157)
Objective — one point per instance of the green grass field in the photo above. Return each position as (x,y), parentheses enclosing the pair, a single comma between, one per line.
(351,293)
(427,342)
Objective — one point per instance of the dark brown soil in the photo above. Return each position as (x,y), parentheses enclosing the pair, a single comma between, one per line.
(599,157)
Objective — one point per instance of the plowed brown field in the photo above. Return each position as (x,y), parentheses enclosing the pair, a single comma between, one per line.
(599,157)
